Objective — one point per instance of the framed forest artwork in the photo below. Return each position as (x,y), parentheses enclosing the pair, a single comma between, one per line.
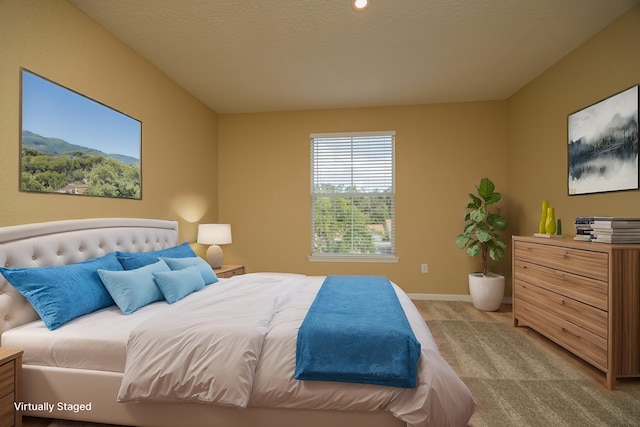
(603,145)
(71,144)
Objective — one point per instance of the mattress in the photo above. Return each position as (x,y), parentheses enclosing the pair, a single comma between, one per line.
(95,341)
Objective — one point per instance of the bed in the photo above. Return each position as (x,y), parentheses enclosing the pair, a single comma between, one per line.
(80,369)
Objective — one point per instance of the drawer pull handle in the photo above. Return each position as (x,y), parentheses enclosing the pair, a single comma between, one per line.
(565,331)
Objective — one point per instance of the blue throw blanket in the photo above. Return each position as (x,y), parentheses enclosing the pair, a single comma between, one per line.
(356,331)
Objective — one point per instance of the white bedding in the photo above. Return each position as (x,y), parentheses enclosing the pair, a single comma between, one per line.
(98,341)
(205,348)
(273,305)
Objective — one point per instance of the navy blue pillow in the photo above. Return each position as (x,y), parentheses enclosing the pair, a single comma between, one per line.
(62,293)
(133,260)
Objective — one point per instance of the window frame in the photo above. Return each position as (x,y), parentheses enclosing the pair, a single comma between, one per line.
(350,257)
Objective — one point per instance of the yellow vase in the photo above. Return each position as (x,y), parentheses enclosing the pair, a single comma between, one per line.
(550,225)
(543,217)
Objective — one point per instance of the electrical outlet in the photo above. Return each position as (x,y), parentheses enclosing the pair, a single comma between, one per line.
(425,268)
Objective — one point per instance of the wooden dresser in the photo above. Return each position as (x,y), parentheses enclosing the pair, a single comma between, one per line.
(584,296)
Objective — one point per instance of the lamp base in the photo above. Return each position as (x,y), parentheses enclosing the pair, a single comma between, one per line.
(214,256)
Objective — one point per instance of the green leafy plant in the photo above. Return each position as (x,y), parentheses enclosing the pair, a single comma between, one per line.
(480,233)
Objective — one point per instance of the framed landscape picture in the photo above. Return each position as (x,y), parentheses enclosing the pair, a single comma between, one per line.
(603,145)
(71,144)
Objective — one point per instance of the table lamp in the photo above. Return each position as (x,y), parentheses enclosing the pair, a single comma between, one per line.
(214,235)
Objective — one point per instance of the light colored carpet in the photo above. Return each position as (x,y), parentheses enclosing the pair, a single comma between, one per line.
(519,382)
(515,379)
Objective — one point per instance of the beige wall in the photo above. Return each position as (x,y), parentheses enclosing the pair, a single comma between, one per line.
(606,64)
(441,152)
(179,166)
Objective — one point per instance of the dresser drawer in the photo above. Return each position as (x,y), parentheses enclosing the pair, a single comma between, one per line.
(7,378)
(590,291)
(586,345)
(590,318)
(7,414)
(581,262)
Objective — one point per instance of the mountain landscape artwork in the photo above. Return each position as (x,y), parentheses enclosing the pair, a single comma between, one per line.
(71,144)
(603,145)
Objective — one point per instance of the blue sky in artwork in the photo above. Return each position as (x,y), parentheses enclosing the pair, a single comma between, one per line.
(53,111)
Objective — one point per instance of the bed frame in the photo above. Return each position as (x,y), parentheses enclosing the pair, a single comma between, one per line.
(70,241)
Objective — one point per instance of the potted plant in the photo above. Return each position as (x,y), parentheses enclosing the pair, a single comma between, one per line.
(480,237)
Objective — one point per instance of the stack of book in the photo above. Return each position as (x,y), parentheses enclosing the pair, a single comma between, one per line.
(583,228)
(614,230)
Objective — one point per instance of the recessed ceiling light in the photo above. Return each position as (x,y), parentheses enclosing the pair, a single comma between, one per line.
(360,4)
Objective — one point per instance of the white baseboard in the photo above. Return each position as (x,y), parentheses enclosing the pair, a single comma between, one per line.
(449,297)
(441,297)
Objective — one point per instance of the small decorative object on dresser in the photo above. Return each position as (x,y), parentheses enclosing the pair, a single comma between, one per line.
(10,386)
(584,296)
(550,226)
(480,237)
(227,271)
(543,217)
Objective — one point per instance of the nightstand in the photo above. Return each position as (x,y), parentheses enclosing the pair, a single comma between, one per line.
(227,271)
(10,386)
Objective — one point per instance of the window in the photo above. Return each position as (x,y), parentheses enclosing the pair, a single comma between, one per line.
(352,197)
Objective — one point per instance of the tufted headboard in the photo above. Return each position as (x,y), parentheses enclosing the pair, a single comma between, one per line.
(67,242)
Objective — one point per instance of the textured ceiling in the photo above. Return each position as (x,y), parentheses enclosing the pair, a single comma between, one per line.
(273,55)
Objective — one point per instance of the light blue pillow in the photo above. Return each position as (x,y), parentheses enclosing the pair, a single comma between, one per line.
(133,260)
(177,284)
(132,289)
(62,293)
(208,275)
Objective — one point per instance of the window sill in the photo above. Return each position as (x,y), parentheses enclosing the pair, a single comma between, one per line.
(354,258)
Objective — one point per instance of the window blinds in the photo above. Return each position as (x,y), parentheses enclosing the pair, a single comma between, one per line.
(352,192)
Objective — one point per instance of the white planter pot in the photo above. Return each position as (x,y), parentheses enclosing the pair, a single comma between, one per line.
(486,291)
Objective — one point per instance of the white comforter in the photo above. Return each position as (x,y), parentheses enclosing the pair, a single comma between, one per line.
(234,343)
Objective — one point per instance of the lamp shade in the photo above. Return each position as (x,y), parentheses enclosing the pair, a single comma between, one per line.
(214,234)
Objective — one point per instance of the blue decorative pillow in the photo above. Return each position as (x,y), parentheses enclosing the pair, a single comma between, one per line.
(208,275)
(62,293)
(177,284)
(133,260)
(133,289)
